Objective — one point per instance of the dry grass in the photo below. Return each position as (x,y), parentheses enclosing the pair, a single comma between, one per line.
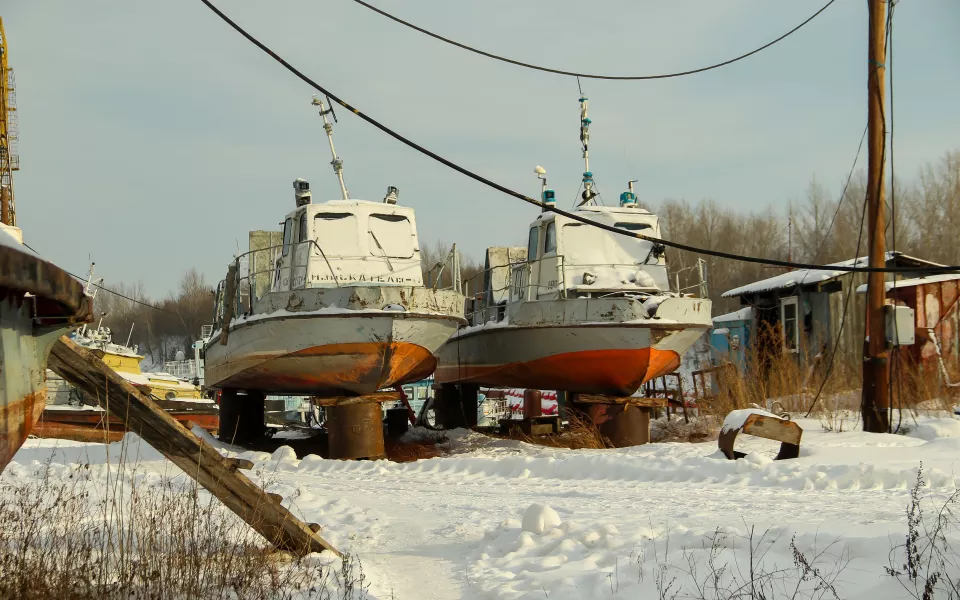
(63,535)
(699,429)
(402,451)
(580,434)
(779,383)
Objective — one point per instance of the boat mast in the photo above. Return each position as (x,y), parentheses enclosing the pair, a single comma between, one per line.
(588,193)
(328,127)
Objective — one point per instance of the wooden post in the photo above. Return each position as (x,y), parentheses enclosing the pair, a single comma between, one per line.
(876,376)
(217,474)
(229,301)
(5,205)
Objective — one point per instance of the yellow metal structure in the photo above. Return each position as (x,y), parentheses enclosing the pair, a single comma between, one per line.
(161,385)
(9,160)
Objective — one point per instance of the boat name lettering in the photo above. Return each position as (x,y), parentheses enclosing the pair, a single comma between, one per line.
(362,277)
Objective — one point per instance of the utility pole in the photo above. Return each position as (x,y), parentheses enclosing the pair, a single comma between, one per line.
(876,374)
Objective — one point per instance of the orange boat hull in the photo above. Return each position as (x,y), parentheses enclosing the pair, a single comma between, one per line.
(613,360)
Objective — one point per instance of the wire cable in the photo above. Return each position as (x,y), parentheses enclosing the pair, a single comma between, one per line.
(552,208)
(843,195)
(589,75)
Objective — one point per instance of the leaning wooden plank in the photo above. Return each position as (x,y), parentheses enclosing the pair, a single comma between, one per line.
(198,460)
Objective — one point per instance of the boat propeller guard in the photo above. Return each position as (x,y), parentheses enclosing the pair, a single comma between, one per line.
(763,424)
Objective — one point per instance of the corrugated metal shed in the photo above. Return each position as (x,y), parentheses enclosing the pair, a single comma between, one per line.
(934,301)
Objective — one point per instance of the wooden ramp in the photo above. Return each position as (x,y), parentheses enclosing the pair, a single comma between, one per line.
(217,474)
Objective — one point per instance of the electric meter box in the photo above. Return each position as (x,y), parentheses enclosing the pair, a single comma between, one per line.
(900,325)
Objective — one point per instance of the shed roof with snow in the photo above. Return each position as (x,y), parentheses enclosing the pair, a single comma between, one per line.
(812,276)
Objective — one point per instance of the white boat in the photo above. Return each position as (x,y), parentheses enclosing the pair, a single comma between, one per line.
(342,311)
(582,310)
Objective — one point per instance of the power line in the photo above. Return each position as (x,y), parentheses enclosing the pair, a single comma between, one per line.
(552,208)
(109,291)
(588,75)
(843,196)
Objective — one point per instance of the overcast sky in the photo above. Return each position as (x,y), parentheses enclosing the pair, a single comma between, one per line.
(153,137)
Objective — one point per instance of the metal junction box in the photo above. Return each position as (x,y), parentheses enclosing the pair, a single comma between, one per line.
(900,325)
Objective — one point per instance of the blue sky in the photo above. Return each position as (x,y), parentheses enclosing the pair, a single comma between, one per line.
(153,137)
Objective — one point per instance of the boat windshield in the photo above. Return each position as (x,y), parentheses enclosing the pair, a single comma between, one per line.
(337,233)
(392,235)
(585,245)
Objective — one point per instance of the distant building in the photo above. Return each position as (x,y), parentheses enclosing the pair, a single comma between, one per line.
(801,312)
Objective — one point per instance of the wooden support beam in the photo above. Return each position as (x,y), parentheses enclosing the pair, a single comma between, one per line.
(348,400)
(217,474)
(632,400)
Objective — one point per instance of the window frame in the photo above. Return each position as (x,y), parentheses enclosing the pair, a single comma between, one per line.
(287,235)
(784,303)
(535,230)
(551,226)
(302,234)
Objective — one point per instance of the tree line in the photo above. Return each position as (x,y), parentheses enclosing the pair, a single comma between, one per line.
(923,220)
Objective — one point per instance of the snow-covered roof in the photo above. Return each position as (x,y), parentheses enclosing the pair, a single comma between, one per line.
(738,315)
(810,276)
(905,283)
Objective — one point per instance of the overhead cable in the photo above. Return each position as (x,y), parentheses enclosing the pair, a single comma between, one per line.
(590,75)
(552,208)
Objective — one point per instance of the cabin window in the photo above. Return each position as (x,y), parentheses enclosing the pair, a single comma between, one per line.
(287,233)
(533,244)
(391,235)
(303,227)
(789,324)
(633,226)
(337,234)
(550,238)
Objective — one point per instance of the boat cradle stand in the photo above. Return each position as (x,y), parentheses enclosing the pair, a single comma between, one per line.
(624,421)
(355,425)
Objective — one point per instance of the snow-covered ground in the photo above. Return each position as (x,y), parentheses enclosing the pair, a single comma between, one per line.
(502,519)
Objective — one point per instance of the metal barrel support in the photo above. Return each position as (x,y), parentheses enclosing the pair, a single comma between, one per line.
(624,421)
(355,431)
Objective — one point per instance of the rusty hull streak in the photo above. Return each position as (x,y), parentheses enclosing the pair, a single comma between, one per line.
(365,366)
(19,418)
(608,372)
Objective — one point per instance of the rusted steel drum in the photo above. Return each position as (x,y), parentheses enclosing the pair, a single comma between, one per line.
(29,325)
(355,431)
(532,403)
(624,425)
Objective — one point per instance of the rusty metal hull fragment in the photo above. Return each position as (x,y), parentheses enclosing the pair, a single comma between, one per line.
(29,325)
(760,424)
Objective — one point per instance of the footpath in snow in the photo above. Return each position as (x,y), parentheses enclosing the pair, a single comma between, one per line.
(506,520)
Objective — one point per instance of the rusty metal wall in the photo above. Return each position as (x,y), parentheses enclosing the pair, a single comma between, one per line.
(936,306)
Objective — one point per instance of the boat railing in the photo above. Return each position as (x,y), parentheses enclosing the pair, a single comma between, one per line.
(489,301)
(181,369)
(253,283)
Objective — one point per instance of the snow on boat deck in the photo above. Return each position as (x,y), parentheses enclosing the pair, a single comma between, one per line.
(452,527)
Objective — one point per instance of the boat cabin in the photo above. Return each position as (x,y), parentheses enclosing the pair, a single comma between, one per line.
(345,243)
(566,258)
